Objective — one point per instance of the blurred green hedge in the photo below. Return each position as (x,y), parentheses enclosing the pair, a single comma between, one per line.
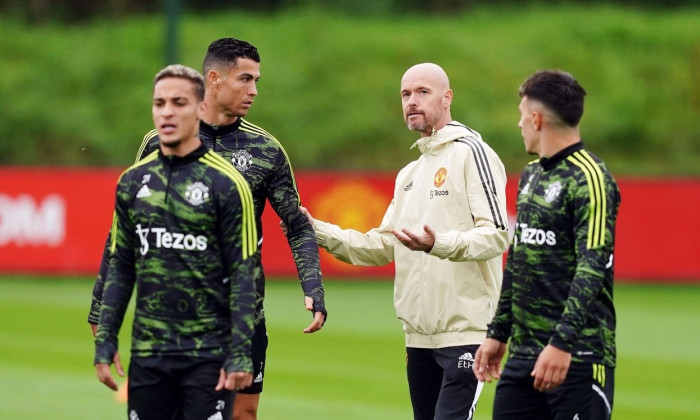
(80,94)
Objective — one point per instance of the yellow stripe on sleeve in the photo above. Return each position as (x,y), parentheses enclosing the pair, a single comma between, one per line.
(250,234)
(144,142)
(596,191)
(113,234)
(254,129)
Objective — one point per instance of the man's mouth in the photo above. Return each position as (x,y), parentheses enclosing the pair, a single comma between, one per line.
(167,128)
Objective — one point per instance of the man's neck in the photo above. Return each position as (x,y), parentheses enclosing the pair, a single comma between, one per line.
(554,142)
(184,148)
(213,116)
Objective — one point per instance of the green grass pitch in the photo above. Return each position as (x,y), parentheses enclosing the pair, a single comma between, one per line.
(352,369)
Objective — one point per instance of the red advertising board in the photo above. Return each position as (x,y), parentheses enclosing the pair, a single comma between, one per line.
(55,220)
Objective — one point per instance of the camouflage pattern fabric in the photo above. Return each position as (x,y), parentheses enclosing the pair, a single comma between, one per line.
(558,281)
(184,237)
(261,159)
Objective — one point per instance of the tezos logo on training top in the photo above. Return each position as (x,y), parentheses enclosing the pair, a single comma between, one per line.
(174,240)
(242,160)
(534,236)
(440,177)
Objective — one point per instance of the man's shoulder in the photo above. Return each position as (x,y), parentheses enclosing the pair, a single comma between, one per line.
(138,170)
(223,170)
(149,144)
(257,131)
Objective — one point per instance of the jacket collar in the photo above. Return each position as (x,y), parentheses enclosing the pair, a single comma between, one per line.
(219,130)
(184,160)
(450,132)
(550,162)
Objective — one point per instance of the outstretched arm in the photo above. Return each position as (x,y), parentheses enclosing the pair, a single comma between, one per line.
(284,199)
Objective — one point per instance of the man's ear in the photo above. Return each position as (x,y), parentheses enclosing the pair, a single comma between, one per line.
(202,109)
(447,98)
(212,78)
(537,120)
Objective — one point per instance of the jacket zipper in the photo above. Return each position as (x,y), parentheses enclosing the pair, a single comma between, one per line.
(169,168)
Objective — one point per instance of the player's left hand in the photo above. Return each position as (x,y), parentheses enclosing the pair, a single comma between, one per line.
(551,368)
(423,242)
(319,317)
(234,381)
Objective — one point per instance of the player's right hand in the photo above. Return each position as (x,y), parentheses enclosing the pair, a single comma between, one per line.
(487,361)
(117,360)
(105,376)
(234,381)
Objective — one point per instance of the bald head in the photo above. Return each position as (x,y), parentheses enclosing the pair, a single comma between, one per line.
(426,98)
(430,73)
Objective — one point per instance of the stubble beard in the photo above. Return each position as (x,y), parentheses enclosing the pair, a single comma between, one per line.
(418,126)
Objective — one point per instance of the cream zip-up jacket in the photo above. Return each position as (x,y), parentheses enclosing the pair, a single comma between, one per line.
(445,297)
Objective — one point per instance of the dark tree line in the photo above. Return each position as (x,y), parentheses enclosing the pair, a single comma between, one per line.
(72,11)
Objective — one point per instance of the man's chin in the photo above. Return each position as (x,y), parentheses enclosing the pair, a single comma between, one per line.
(416,126)
(170,144)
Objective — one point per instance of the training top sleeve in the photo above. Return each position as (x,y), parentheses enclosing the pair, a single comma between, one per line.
(149,144)
(284,199)
(120,279)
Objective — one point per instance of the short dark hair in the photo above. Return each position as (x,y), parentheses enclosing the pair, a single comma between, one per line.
(223,53)
(183,72)
(558,91)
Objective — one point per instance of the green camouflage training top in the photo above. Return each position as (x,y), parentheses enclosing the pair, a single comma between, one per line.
(263,162)
(184,236)
(558,282)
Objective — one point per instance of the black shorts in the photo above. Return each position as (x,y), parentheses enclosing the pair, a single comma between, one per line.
(441,382)
(259,357)
(586,394)
(177,387)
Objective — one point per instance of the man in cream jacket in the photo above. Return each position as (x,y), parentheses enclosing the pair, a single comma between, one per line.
(446,230)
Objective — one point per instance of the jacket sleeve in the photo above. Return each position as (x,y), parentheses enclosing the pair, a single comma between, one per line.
(284,200)
(119,284)
(594,209)
(485,180)
(148,145)
(372,248)
(239,243)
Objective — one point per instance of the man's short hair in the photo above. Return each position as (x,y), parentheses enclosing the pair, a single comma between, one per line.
(223,54)
(558,91)
(183,72)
